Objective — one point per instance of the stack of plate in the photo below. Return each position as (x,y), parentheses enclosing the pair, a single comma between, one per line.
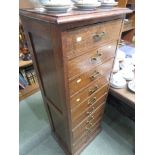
(57,7)
(87,5)
(117,81)
(131,86)
(108,4)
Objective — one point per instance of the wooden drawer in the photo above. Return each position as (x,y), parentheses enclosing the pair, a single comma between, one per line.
(81,40)
(83,114)
(99,86)
(86,137)
(88,122)
(90,60)
(90,103)
(83,80)
(85,131)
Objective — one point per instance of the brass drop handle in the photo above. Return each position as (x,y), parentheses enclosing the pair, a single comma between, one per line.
(89,112)
(86,128)
(90,123)
(95,58)
(98,37)
(92,101)
(90,118)
(95,74)
(91,91)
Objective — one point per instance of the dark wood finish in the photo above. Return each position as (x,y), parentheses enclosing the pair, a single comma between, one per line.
(56,67)
(90,60)
(98,85)
(86,132)
(128,36)
(89,105)
(124,94)
(83,80)
(80,146)
(82,40)
(89,122)
(129,27)
(76,119)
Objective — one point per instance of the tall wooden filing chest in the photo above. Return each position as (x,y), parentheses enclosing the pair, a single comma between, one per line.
(73,56)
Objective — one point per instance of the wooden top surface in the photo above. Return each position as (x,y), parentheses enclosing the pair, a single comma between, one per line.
(23,64)
(73,15)
(124,94)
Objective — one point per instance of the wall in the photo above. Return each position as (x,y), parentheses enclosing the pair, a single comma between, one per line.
(26,4)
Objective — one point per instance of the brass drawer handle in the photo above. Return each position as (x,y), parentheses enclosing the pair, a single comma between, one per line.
(89,112)
(92,101)
(87,129)
(90,123)
(90,118)
(95,58)
(95,74)
(91,91)
(98,37)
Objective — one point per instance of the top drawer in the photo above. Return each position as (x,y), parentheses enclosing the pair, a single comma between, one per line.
(79,41)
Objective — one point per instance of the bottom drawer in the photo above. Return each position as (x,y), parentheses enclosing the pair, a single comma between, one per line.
(86,138)
(89,121)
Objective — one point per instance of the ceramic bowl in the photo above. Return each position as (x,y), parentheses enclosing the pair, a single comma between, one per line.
(117,81)
(56,3)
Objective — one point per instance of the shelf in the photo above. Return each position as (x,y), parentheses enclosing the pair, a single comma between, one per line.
(23,64)
(27,91)
(128,29)
(128,25)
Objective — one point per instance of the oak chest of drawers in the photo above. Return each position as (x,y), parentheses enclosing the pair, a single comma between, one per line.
(73,56)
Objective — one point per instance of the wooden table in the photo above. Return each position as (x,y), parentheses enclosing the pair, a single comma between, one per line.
(124,94)
(123,100)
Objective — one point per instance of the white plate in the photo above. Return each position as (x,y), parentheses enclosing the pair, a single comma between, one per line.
(131,86)
(127,74)
(87,6)
(108,5)
(113,4)
(58,8)
(117,81)
(56,4)
(88,3)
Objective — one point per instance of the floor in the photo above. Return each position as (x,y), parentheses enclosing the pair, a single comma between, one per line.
(116,138)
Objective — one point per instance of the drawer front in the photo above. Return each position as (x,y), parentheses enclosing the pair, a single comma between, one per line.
(87,128)
(78,144)
(100,85)
(83,80)
(91,103)
(88,122)
(90,60)
(82,115)
(81,40)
